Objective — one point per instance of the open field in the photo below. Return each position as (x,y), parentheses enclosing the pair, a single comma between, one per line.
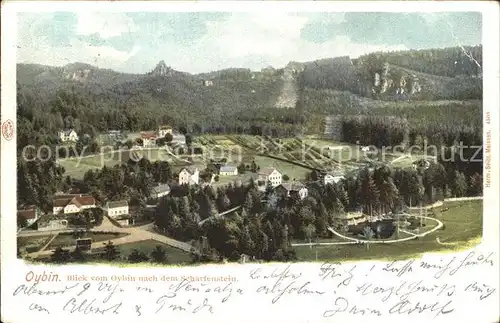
(462,228)
(77,167)
(174,256)
(293,171)
(67,239)
(245,177)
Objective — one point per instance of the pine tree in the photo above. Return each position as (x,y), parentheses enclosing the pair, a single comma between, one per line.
(159,255)
(459,185)
(110,252)
(247,245)
(136,256)
(78,255)
(476,184)
(60,255)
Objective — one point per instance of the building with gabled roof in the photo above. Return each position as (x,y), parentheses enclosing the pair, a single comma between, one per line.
(72,203)
(117,208)
(228,170)
(148,138)
(30,213)
(189,176)
(160,191)
(69,135)
(163,130)
(293,188)
(270,175)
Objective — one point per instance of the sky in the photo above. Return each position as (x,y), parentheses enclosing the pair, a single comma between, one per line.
(198,42)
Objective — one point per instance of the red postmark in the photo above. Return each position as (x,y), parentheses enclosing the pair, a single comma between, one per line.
(8,129)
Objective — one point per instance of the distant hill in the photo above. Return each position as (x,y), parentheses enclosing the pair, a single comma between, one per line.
(80,93)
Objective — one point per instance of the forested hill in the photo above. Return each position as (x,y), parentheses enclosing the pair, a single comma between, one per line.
(80,95)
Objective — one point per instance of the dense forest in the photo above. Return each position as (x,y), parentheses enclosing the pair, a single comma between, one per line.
(92,100)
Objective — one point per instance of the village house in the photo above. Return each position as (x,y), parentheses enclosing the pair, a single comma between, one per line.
(332,178)
(72,203)
(159,191)
(68,135)
(208,82)
(114,133)
(189,176)
(228,170)
(293,189)
(148,139)
(117,208)
(270,175)
(30,213)
(163,130)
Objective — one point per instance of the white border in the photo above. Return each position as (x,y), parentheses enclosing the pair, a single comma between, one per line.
(11,267)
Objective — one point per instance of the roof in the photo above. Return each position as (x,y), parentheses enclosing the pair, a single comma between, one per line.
(293,186)
(335,174)
(27,213)
(190,169)
(267,171)
(78,200)
(165,127)
(112,205)
(67,132)
(161,188)
(228,168)
(148,135)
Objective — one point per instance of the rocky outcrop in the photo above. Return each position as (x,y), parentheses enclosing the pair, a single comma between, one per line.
(161,69)
(79,75)
(289,94)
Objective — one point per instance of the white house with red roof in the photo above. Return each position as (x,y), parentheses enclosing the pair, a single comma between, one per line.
(148,139)
(72,203)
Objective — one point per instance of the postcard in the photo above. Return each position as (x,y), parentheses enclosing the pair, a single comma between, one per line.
(220,161)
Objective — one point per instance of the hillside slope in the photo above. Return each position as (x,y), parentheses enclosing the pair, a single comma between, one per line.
(238,99)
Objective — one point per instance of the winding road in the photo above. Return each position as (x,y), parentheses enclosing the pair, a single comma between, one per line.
(351,240)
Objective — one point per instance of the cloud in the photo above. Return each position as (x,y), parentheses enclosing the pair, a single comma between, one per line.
(257,40)
(414,30)
(105,25)
(204,41)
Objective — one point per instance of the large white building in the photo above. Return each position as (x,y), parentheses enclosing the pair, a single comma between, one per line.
(72,203)
(270,175)
(189,176)
(117,208)
(228,170)
(68,135)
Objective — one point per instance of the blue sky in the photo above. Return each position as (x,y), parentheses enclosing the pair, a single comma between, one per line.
(205,41)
